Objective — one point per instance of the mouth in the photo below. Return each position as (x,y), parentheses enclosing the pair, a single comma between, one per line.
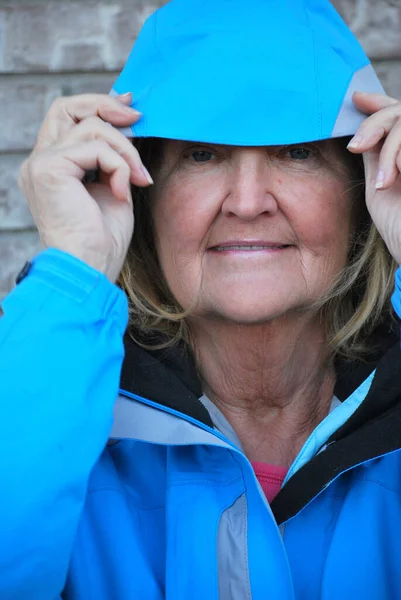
(248,246)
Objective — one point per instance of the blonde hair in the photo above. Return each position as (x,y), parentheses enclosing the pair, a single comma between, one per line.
(352,308)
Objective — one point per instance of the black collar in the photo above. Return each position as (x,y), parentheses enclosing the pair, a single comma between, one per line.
(168,377)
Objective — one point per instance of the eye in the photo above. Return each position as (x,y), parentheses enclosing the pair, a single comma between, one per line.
(201,156)
(299,153)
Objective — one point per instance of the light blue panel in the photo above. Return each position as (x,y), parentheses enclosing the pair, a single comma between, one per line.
(329,425)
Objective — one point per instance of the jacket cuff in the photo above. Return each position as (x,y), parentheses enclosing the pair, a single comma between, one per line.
(71,277)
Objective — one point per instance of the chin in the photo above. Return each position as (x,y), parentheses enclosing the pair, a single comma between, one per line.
(247,313)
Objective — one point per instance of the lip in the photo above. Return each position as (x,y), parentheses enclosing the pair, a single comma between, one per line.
(260,244)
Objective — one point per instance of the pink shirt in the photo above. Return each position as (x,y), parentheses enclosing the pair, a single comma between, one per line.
(270,477)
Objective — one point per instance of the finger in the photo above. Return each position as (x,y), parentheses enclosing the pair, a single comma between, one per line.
(94,128)
(66,112)
(371,103)
(388,171)
(371,165)
(97,154)
(363,141)
(374,128)
(124,98)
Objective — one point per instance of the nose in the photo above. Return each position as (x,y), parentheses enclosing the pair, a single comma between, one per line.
(250,191)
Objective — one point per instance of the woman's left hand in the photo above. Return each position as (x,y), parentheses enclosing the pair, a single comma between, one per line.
(379,139)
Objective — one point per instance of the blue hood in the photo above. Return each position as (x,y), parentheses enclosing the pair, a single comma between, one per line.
(252,73)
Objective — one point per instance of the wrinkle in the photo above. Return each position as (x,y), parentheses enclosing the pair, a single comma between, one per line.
(273,399)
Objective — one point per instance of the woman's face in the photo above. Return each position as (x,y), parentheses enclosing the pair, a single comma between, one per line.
(251,233)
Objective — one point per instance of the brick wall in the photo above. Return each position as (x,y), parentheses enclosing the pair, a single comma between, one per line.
(63,47)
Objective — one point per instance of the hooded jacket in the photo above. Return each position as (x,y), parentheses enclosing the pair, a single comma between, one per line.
(120,481)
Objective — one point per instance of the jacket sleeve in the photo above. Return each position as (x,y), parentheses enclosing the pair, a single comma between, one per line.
(61,351)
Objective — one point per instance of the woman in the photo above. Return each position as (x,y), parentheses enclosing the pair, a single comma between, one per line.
(255,256)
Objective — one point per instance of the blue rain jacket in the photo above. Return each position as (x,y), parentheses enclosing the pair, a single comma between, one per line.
(171,507)
(117,481)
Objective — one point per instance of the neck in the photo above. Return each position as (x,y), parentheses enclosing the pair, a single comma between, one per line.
(273,382)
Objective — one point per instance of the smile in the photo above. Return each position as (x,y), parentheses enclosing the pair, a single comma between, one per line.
(247,248)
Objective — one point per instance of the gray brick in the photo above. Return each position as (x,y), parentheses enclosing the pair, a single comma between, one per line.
(378,27)
(389,73)
(14,210)
(15,250)
(24,104)
(89,84)
(25,101)
(71,36)
(347,9)
(2,44)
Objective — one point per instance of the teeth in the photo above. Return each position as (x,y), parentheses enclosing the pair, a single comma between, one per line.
(222,248)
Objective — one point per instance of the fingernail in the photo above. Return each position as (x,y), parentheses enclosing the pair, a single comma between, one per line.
(147,175)
(380,179)
(355,142)
(131,111)
(124,95)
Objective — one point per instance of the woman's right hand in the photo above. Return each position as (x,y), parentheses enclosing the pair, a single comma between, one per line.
(93,222)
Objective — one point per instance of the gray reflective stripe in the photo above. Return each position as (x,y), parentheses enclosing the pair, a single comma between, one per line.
(224,426)
(136,420)
(232,553)
(349,118)
(220,421)
(139,421)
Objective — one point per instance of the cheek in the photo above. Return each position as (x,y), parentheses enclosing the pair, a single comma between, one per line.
(183,215)
(323,224)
